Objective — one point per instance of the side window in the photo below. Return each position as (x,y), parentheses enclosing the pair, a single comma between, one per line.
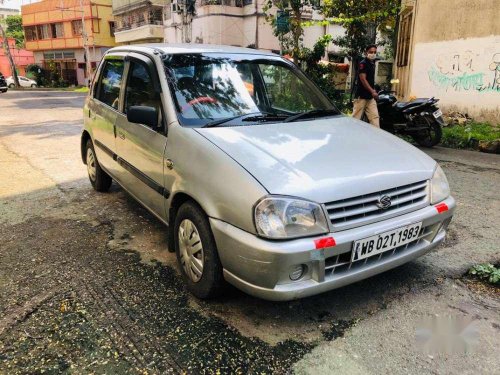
(140,89)
(110,83)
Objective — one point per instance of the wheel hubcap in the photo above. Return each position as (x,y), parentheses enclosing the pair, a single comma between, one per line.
(91,167)
(191,250)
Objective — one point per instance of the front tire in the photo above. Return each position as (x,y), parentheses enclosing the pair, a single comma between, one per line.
(99,179)
(33,86)
(430,137)
(12,86)
(196,252)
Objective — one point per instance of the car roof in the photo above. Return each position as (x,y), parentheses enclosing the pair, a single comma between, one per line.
(174,48)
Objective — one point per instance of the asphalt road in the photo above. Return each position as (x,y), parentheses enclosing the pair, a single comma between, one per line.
(87,286)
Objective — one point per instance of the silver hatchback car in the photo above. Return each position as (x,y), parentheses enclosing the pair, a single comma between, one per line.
(263,183)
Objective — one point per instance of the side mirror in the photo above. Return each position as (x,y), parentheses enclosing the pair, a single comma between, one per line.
(140,114)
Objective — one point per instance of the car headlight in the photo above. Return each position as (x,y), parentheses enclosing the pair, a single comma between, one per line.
(440,190)
(282,217)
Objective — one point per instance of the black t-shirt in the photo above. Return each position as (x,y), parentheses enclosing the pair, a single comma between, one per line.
(368,67)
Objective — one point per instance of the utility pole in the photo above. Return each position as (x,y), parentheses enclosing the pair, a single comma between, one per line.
(9,56)
(85,44)
(88,68)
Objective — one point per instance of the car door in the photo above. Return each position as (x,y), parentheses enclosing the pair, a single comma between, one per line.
(140,148)
(24,82)
(104,107)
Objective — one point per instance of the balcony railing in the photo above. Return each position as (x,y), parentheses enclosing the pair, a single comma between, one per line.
(137,24)
(138,17)
(229,3)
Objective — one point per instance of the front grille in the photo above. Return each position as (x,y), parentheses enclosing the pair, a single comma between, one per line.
(361,210)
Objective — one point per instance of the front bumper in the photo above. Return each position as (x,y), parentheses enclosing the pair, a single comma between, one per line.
(261,267)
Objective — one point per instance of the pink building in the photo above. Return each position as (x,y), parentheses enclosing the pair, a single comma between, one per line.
(22,58)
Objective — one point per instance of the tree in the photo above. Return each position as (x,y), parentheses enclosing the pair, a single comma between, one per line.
(361,19)
(290,31)
(9,55)
(15,29)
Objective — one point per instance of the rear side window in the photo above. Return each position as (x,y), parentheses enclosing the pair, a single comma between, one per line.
(110,83)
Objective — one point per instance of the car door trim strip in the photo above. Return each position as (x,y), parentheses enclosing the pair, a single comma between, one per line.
(136,172)
(106,149)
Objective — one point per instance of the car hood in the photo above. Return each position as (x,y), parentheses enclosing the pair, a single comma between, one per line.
(322,160)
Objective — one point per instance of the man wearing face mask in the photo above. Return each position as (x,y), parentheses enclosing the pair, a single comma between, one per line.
(366,97)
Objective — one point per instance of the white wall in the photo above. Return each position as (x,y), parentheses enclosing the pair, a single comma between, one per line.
(464,74)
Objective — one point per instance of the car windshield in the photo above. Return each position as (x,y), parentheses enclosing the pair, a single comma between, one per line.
(237,89)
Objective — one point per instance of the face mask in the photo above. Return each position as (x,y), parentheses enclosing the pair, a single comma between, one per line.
(371,56)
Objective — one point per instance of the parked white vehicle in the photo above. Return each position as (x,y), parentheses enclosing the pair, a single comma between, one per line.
(23,81)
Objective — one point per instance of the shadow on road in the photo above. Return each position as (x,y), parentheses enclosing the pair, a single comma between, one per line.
(67,297)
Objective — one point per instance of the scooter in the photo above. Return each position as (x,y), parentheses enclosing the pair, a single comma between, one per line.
(420,118)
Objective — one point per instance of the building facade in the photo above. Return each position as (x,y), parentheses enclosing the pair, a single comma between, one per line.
(451,50)
(53,31)
(5,12)
(233,22)
(22,58)
(138,21)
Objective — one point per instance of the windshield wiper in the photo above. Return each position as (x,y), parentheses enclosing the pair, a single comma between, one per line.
(215,123)
(312,113)
(255,116)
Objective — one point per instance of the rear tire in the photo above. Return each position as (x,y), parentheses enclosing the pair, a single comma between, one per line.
(196,252)
(431,137)
(11,86)
(99,179)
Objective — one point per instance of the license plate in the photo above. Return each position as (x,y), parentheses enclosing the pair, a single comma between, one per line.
(379,243)
(437,114)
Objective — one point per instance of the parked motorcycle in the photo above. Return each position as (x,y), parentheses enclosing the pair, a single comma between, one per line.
(420,119)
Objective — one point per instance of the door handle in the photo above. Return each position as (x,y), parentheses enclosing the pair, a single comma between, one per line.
(121,135)
(169,163)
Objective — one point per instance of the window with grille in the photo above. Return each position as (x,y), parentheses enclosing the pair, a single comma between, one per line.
(76,27)
(404,39)
(56,30)
(42,31)
(30,33)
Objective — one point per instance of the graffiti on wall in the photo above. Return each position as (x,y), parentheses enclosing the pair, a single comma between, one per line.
(465,72)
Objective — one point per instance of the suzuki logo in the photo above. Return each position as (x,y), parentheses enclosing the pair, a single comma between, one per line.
(384,202)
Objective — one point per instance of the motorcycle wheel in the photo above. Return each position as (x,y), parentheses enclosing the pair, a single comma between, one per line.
(430,137)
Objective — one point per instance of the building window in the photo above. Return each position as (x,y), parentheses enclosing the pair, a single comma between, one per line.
(57,30)
(404,39)
(111,28)
(30,33)
(76,27)
(42,31)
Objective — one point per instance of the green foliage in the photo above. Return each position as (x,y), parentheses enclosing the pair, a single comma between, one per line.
(292,37)
(15,29)
(361,19)
(487,272)
(48,77)
(469,135)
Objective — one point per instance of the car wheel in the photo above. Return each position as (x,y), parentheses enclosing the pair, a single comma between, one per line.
(196,251)
(33,85)
(12,86)
(99,179)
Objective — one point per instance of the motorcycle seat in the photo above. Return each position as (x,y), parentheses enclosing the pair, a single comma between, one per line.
(413,103)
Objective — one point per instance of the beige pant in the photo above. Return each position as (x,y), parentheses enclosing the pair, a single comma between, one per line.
(368,106)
